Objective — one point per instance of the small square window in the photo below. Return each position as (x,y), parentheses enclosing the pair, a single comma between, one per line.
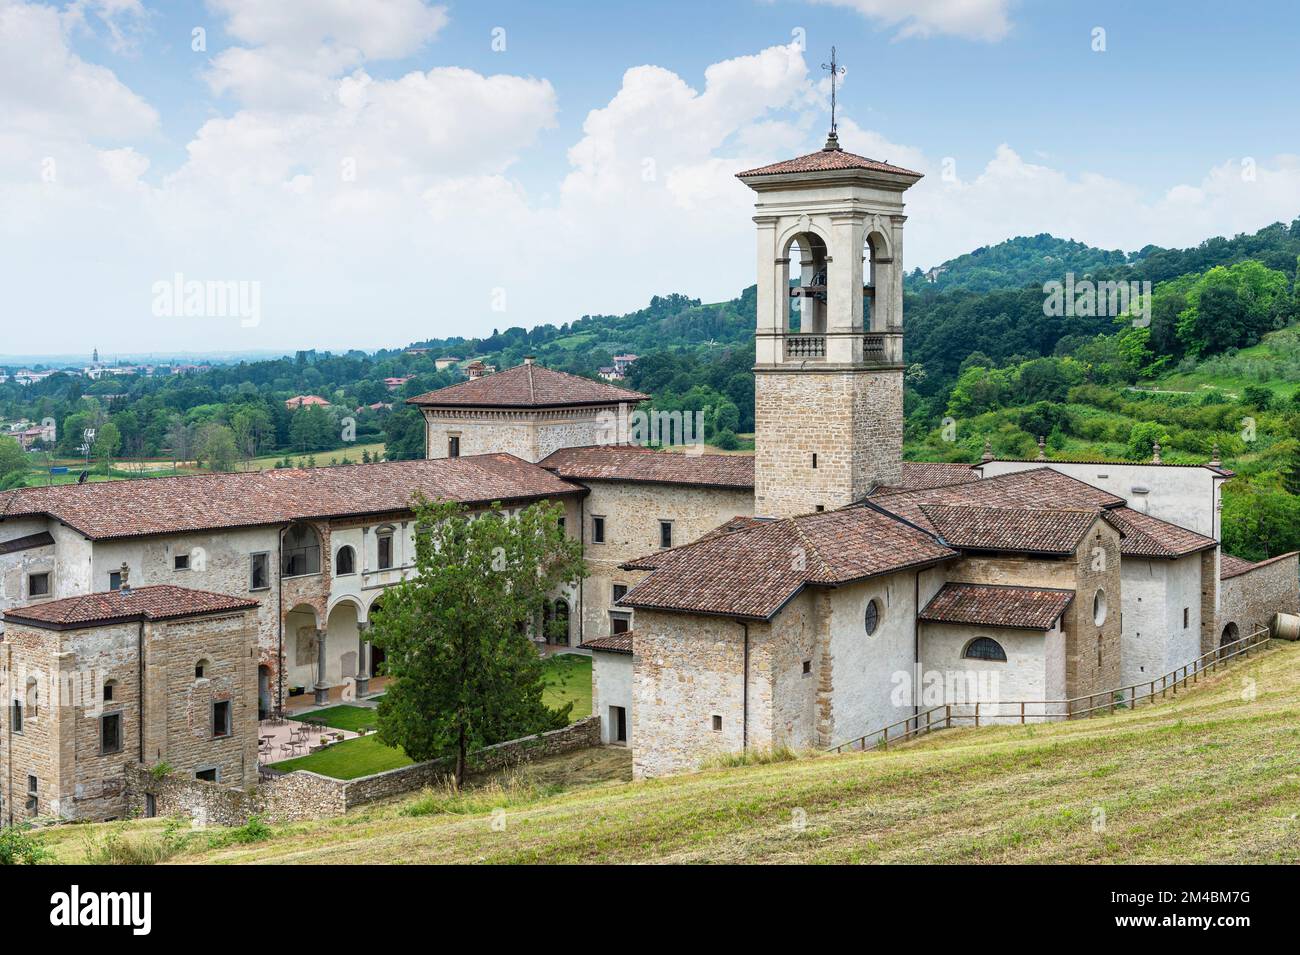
(114,580)
(597,530)
(181,562)
(110,733)
(207,774)
(38,585)
(665,534)
(221,718)
(717,723)
(620,591)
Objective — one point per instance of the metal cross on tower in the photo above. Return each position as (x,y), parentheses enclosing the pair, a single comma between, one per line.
(833,141)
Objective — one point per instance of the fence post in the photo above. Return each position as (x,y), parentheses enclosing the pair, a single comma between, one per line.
(977,714)
(1022,712)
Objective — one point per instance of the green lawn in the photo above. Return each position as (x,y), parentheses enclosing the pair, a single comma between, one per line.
(568,679)
(344,717)
(349,759)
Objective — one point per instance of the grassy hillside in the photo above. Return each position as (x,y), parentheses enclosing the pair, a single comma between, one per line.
(1208,777)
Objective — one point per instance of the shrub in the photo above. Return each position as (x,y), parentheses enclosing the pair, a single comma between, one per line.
(17,847)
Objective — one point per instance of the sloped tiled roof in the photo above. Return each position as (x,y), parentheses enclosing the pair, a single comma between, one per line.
(626,463)
(162,602)
(992,605)
(1147,536)
(825,160)
(110,509)
(655,559)
(1230,566)
(1039,531)
(755,570)
(614,643)
(920,475)
(1037,488)
(1218,469)
(526,386)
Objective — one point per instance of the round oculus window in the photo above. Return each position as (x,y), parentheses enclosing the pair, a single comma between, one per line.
(1099,607)
(872,619)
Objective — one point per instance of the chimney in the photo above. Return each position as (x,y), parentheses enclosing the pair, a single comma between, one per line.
(1042,448)
(1155,453)
(125,572)
(529,359)
(987,456)
(1214,457)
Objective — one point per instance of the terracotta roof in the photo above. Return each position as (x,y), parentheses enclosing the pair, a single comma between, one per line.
(162,602)
(527,386)
(1039,531)
(614,643)
(826,160)
(755,570)
(1230,566)
(109,509)
(43,539)
(626,463)
(992,605)
(1035,489)
(919,475)
(1147,536)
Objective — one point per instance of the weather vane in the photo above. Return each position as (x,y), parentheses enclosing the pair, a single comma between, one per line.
(833,141)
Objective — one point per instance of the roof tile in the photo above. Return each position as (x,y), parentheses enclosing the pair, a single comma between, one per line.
(630,463)
(825,160)
(526,386)
(994,605)
(161,602)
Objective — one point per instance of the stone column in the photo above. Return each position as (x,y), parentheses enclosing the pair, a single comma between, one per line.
(363,658)
(322,688)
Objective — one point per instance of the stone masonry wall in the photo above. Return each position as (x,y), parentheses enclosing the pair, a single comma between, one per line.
(1251,599)
(851,420)
(300,796)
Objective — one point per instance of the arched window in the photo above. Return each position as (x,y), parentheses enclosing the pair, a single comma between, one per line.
(201,669)
(872,619)
(345,562)
(301,551)
(110,690)
(985,648)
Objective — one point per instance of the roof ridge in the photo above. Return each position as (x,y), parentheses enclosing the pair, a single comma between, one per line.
(826,572)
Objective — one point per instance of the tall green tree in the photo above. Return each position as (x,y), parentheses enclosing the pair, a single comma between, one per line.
(456,635)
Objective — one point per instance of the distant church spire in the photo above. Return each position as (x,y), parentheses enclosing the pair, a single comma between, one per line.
(833,140)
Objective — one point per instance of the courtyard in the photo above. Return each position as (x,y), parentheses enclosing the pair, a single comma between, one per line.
(339,740)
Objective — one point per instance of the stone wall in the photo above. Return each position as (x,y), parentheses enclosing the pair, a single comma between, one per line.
(852,420)
(632,512)
(527,434)
(1251,599)
(299,796)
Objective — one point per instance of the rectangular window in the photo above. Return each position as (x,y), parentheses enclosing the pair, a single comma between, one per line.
(385,551)
(38,585)
(181,562)
(150,805)
(259,573)
(620,622)
(207,774)
(110,733)
(114,580)
(814,460)
(717,723)
(453,446)
(108,691)
(31,793)
(561,523)
(221,718)
(807,667)
(665,534)
(620,590)
(597,529)
(1186,616)
(16,717)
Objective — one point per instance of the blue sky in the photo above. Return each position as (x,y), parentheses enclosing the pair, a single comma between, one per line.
(221,163)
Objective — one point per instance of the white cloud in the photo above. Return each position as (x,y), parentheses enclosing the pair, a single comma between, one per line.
(379,211)
(973,19)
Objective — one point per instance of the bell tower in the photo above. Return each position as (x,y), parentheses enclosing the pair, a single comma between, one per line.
(828,377)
